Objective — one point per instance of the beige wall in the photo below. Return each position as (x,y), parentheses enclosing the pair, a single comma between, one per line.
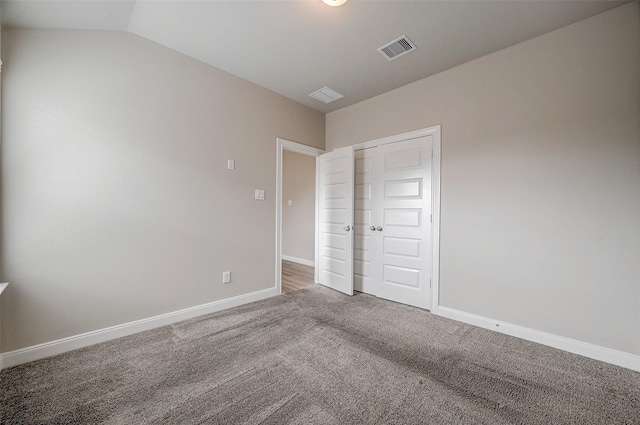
(117,202)
(540,192)
(298,220)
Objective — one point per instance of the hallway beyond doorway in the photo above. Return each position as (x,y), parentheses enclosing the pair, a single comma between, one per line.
(295,276)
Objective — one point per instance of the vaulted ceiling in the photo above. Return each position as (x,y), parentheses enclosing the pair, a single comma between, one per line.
(296,47)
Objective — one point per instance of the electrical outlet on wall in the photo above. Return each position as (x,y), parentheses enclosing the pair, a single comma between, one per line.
(226,277)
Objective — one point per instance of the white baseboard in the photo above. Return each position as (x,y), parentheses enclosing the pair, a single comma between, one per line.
(52,348)
(608,355)
(299,260)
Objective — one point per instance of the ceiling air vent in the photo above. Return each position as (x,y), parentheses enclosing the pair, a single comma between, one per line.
(397,48)
(326,95)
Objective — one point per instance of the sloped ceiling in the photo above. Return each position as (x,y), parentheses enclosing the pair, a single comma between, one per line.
(296,47)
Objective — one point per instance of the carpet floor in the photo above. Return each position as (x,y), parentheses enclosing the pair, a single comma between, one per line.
(315,356)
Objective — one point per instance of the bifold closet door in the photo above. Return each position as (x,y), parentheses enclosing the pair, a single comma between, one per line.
(365,215)
(392,257)
(335,176)
(403,176)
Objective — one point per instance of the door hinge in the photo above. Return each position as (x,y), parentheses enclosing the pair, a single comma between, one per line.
(431,218)
(429,283)
(431,154)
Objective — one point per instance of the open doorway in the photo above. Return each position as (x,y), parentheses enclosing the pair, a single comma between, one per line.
(298,220)
(296,211)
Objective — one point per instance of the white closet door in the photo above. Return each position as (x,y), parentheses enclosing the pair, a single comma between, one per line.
(403,177)
(335,244)
(365,216)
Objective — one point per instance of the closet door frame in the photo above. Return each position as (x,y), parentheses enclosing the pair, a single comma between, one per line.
(435,132)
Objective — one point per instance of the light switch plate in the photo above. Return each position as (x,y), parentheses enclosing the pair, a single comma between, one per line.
(289,202)
(259,195)
(226,277)
(231,164)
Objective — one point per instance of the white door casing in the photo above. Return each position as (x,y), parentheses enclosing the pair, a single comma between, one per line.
(335,176)
(281,146)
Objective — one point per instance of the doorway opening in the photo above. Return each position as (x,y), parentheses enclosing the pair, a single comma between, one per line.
(296,228)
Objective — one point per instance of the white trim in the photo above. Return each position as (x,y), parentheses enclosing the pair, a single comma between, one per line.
(398,137)
(281,146)
(435,226)
(608,355)
(3,286)
(316,271)
(52,348)
(435,132)
(299,260)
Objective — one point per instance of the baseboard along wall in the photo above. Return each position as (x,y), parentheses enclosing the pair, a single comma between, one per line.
(604,354)
(302,261)
(48,349)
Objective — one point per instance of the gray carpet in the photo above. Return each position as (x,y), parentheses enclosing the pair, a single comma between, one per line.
(317,357)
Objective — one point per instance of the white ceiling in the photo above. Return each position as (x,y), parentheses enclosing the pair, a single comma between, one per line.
(296,47)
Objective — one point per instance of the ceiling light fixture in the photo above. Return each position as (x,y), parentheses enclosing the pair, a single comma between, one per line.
(334,2)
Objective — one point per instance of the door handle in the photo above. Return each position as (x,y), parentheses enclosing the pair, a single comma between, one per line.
(373,228)
(379,229)
(346,228)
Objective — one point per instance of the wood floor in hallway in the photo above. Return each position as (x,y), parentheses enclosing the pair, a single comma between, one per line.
(295,276)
